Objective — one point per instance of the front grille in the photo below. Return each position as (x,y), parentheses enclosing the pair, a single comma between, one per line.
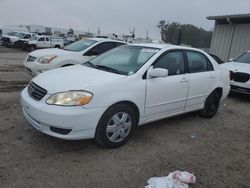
(240,77)
(5,39)
(36,92)
(240,89)
(31,58)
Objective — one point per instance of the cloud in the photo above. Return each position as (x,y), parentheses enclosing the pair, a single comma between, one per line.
(116,15)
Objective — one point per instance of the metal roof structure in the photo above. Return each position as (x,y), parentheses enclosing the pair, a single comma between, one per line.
(233,18)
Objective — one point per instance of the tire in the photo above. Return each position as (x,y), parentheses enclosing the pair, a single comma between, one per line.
(32,48)
(115,126)
(57,46)
(211,105)
(67,65)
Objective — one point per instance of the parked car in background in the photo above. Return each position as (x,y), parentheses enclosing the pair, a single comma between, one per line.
(25,38)
(4,30)
(75,53)
(11,37)
(216,58)
(44,42)
(240,72)
(107,97)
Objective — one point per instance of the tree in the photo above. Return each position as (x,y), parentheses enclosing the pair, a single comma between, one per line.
(188,34)
(163,27)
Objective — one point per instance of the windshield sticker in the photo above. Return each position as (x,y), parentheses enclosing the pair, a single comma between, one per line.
(148,50)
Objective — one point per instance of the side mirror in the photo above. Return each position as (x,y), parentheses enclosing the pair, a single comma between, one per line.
(91,53)
(157,73)
(231,59)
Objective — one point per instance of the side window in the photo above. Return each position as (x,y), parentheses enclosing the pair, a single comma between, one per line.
(198,62)
(103,47)
(27,36)
(47,39)
(1,32)
(173,62)
(41,39)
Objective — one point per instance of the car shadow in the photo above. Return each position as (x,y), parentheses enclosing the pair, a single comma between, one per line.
(47,143)
(240,97)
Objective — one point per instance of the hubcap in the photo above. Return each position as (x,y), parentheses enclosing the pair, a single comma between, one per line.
(119,127)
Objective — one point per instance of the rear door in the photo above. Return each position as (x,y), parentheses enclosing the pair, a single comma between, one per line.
(202,79)
(41,42)
(165,96)
(48,43)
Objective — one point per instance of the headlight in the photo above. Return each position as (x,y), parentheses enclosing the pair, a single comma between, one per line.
(46,59)
(70,98)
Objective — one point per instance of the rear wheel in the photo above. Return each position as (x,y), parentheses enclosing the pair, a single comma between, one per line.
(115,126)
(67,65)
(32,48)
(211,105)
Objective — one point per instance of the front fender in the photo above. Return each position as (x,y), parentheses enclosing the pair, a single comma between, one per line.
(60,63)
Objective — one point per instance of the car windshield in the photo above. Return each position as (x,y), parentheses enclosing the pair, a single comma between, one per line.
(123,60)
(80,45)
(244,58)
(20,35)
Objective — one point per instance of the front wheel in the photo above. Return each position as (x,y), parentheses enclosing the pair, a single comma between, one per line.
(32,48)
(115,126)
(211,105)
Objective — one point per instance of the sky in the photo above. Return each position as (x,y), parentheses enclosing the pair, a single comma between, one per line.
(117,16)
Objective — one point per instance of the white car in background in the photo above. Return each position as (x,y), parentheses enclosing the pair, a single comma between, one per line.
(44,42)
(108,96)
(78,52)
(240,73)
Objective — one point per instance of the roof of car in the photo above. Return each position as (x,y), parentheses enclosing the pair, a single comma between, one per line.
(163,46)
(106,39)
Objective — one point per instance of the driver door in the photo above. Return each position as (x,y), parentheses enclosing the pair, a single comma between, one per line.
(167,95)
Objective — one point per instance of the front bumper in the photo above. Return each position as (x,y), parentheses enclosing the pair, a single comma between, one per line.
(34,68)
(240,87)
(80,122)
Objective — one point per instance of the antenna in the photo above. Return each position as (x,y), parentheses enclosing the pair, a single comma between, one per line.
(98,31)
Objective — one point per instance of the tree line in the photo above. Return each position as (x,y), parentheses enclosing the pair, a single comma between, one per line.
(187,34)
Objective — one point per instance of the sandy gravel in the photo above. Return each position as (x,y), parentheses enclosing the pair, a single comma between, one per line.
(217,150)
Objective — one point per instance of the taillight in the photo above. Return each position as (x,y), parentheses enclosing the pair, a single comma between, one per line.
(231,75)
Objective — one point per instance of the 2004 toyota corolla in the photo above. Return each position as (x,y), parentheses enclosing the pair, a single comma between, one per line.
(107,97)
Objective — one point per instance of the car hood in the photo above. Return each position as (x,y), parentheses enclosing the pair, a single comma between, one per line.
(77,77)
(237,67)
(11,37)
(50,51)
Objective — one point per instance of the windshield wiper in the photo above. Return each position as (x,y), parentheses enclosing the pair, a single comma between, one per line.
(89,64)
(110,69)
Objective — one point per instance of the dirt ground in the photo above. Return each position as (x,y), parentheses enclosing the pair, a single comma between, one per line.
(216,150)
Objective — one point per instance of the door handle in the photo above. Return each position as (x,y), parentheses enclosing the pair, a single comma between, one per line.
(183,80)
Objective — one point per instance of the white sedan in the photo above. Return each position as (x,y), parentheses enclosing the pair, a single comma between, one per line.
(240,72)
(78,52)
(107,97)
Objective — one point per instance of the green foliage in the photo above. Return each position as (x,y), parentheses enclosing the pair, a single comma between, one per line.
(189,34)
